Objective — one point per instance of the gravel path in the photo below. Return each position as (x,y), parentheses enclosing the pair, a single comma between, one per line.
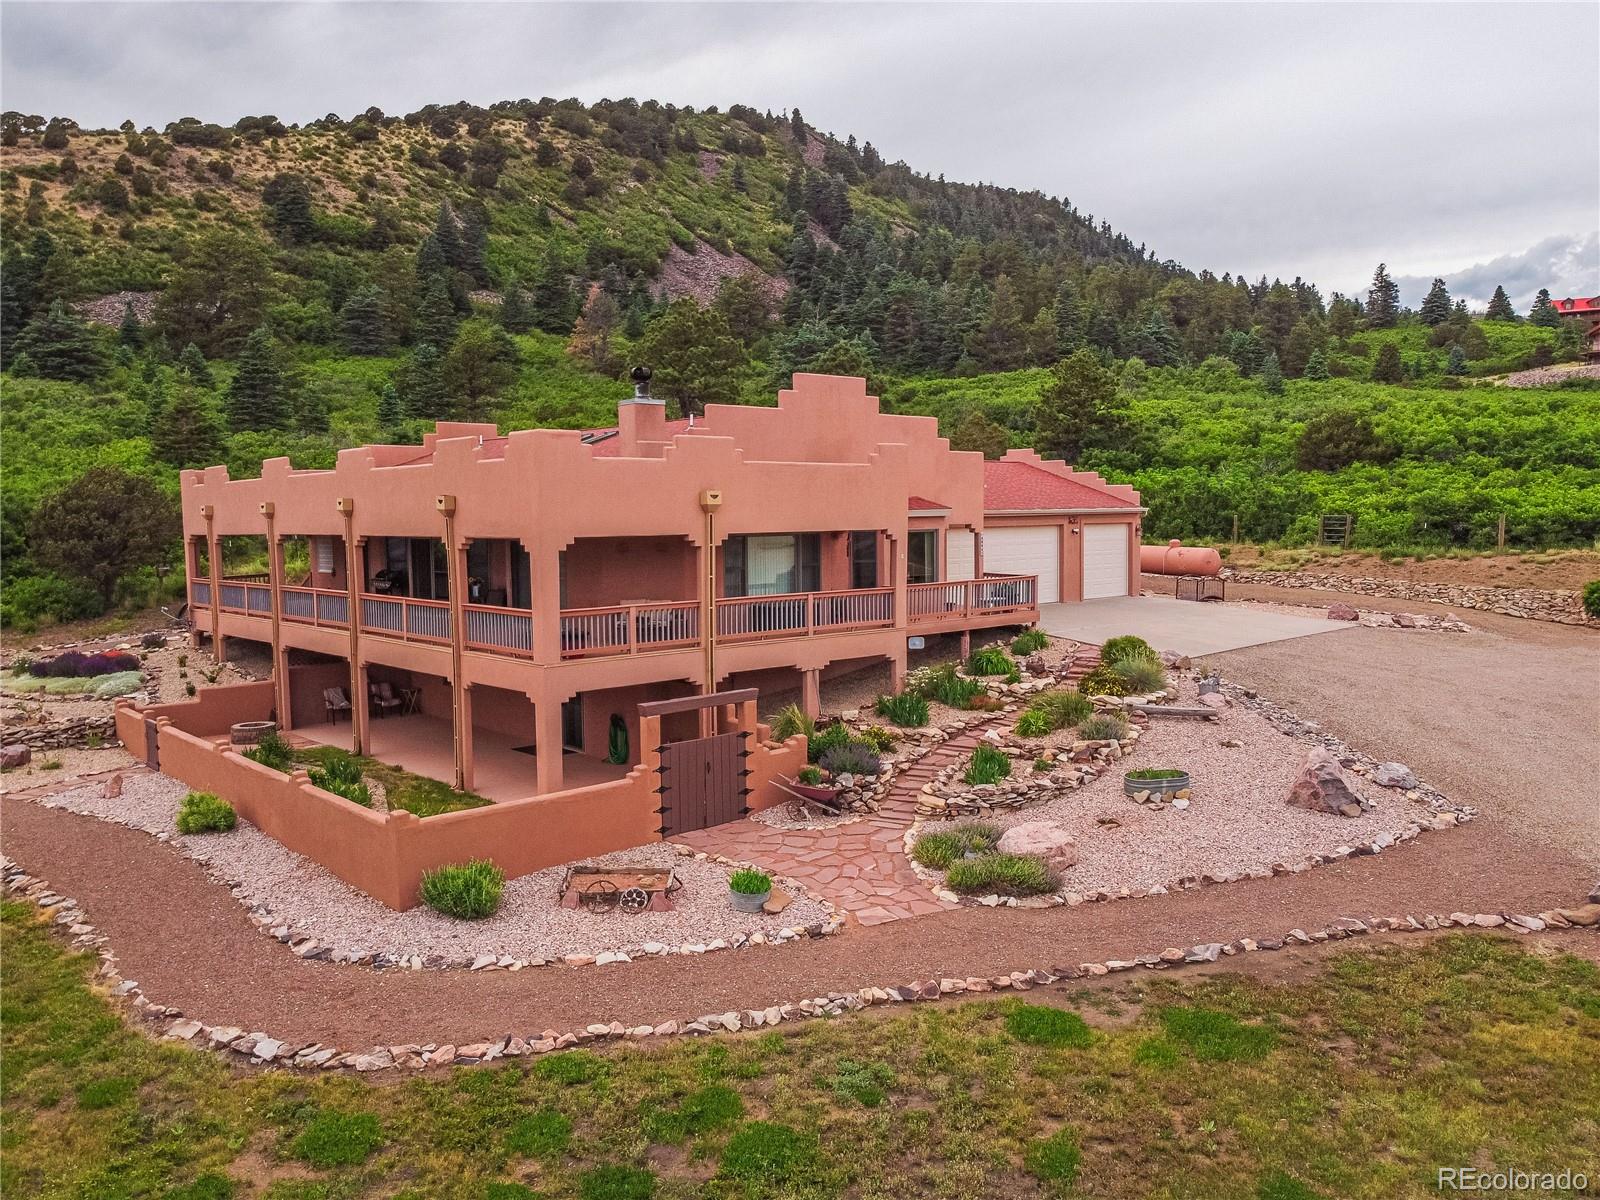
(74,762)
(530,924)
(1237,819)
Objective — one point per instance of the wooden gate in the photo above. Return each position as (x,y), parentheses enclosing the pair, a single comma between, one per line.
(703,781)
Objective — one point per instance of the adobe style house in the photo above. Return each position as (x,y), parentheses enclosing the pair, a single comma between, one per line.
(495,609)
(1586,309)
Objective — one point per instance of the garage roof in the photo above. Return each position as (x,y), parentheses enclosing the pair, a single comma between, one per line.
(1021,487)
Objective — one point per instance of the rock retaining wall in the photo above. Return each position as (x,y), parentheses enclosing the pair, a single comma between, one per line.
(1537,604)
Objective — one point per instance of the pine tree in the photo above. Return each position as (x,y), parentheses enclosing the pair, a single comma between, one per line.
(551,300)
(1316,367)
(695,359)
(1543,312)
(975,431)
(60,345)
(257,395)
(480,363)
(391,411)
(436,315)
(1435,308)
(514,314)
(1383,299)
(591,336)
(739,183)
(1387,367)
(1080,408)
(1069,321)
(447,236)
(362,324)
(131,332)
(1000,343)
(475,243)
(1156,342)
(422,385)
(1500,306)
(187,430)
(1271,375)
(1457,364)
(288,198)
(192,364)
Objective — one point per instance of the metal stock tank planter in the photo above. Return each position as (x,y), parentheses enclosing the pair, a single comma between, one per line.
(749,890)
(1155,784)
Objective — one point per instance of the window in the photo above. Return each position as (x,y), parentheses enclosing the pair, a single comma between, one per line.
(922,556)
(771,564)
(324,555)
(864,559)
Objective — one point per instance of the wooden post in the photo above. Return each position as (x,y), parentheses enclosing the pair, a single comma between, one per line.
(214,555)
(455,575)
(280,658)
(710,501)
(1235,529)
(352,584)
(1500,533)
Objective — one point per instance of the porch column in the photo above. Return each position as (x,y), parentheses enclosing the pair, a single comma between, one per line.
(811,693)
(897,669)
(966,643)
(191,552)
(460,705)
(547,743)
(899,564)
(358,708)
(354,576)
(544,589)
(464,742)
(280,656)
(214,554)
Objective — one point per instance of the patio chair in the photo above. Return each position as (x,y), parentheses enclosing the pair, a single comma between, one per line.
(383,697)
(334,699)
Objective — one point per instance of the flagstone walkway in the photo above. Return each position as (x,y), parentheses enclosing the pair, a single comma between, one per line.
(860,868)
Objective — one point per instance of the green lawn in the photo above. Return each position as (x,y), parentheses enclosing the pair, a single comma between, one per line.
(415,793)
(1361,1081)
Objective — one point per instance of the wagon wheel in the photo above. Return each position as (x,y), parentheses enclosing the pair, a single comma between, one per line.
(601,895)
(634,899)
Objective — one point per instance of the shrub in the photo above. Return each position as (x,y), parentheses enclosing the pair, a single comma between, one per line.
(341,775)
(1033,723)
(1002,875)
(1591,598)
(1104,680)
(203,812)
(62,666)
(1154,773)
(540,1134)
(1045,1026)
(941,683)
(107,664)
(990,660)
(469,891)
(335,1139)
(1054,1159)
(119,684)
(1103,727)
(987,765)
(787,722)
(749,882)
(837,734)
(1119,649)
(1215,1036)
(272,751)
(852,758)
(880,738)
(906,710)
(938,850)
(1063,708)
(809,775)
(1141,675)
(1029,641)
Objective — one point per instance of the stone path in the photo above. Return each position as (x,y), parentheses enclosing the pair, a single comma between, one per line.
(860,868)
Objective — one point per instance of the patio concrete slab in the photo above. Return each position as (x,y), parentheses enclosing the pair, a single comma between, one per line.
(1187,626)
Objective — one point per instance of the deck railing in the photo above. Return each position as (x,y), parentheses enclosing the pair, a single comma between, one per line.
(404,618)
(629,628)
(499,629)
(200,593)
(990,596)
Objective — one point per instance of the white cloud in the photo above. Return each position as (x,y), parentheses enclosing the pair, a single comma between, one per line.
(1567,265)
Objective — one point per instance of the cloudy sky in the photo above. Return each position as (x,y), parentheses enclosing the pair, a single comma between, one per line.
(1277,139)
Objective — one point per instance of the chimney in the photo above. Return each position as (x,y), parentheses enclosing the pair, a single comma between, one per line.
(642,420)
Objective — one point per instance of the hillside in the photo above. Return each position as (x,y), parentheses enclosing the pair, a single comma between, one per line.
(203,293)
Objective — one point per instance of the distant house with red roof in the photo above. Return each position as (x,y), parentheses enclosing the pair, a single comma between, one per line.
(1588,308)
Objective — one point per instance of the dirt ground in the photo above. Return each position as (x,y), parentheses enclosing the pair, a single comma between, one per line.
(1557,569)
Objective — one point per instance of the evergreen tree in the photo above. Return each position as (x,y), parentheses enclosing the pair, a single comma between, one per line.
(193,366)
(1337,438)
(514,314)
(1247,350)
(1383,299)
(391,411)
(422,385)
(1069,321)
(257,396)
(1457,364)
(551,300)
(1000,343)
(1080,408)
(60,345)
(1543,312)
(447,236)
(1156,342)
(187,430)
(591,336)
(475,243)
(131,332)
(1271,375)
(481,362)
(695,359)
(1500,306)
(1303,341)
(740,185)
(975,431)
(288,199)
(102,525)
(362,323)
(1435,308)
(1316,367)
(744,304)
(1387,367)
(436,315)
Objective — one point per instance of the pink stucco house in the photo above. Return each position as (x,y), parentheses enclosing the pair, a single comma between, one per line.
(505,604)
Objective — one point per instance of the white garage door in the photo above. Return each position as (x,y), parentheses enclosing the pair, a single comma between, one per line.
(1105,561)
(960,554)
(1026,550)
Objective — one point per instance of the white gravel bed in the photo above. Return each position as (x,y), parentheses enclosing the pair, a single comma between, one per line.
(783,816)
(1237,820)
(530,924)
(74,762)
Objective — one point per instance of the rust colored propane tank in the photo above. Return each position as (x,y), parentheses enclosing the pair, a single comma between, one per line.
(1177,559)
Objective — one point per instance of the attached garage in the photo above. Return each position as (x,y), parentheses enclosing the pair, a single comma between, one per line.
(1026,550)
(1105,560)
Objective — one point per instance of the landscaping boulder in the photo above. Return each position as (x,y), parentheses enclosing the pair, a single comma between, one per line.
(1322,787)
(112,787)
(15,756)
(1394,775)
(1342,612)
(1044,839)
(1213,700)
(1174,661)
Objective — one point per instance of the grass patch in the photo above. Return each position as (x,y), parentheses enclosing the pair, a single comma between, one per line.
(1213,1036)
(990,660)
(1154,773)
(571,1067)
(104,1093)
(616,1183)
(865,1083)
(938,850)
(987,765)
(402,789)
(711,1107)
(467,891)
(1029,641)
(1279,1185)
(772,1155)
(338,1139)
(1001,875)
(1054,1160)
(1041,1025)
(907,710)
(540,1134)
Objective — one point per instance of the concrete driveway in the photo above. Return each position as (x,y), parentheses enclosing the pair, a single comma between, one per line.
(1187,626)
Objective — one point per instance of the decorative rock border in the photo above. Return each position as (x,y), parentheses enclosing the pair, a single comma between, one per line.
(261,1049)
(1537,604)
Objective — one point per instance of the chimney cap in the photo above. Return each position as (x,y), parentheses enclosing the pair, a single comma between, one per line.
(641,386)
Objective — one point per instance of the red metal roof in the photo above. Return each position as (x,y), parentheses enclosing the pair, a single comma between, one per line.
(1579,306)
(923,504)
(1020,487)
(606,444)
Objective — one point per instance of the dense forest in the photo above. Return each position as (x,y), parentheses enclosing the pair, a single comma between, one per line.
(206,293)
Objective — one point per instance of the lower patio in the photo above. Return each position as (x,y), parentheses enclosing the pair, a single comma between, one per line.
(504,765)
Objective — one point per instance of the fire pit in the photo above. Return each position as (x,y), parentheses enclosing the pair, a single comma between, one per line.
(248,733)
(608,889)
